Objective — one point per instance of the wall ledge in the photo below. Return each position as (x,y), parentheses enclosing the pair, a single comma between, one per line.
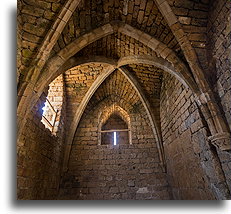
(221,140)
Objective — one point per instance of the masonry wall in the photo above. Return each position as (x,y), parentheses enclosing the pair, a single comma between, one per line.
(185,142)
(114,172)
(150,79)
(19,39)
(139,14)
(123,171)
(219,53)
(114,122)
(115,46)
(78,80)
(39,156)
(193,16)
(35,19)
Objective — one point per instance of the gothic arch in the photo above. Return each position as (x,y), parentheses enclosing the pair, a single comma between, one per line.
(133,59)
(161,49)
(34,90)
(41,60)
(54,33)
(100,79)
(49,42)
(211,111)
(204,94)
(106,113)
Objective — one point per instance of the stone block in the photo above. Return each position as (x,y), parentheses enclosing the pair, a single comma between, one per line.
(184,20)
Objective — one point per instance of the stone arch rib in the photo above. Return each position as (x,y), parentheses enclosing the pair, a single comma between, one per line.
(114,109)
(50,39)
(134,59)
(100,79)
(161,49)
(205,99)
(159,63)
(147,106)
(33,91)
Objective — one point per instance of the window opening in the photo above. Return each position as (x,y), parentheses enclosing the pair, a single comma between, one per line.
(114,138)
(114,131)
(49,115)
(54,102)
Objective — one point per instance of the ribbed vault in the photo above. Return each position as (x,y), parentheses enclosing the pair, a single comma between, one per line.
(143,15)
(150,58)
(115,93)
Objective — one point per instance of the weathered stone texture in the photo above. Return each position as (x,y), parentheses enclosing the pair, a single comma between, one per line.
(19,40)
(39,156)
(91,15)
(114,172)
(219,55)
(78,80)
(114,122)
(57,97)
(193,16)
(180,124)
(150,79)
(36,18)
(115,46)
(133,169)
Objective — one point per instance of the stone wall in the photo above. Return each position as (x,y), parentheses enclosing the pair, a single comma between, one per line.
(143,15)
(133,168)
(150,79)
(115,122)
(55,105)
(116,46)
(39,156)
(123,171)
(19,39)
(35,18)
(184,138)
(219,46)
(78,80)
(193,16)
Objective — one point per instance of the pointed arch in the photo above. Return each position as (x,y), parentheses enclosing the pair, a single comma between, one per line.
(156,131)
(106,113)
(33,91)
(206,100)
(50,39)
(133,59)
(160,48)
(100,79)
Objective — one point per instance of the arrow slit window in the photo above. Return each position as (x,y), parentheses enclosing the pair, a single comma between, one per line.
(115,131)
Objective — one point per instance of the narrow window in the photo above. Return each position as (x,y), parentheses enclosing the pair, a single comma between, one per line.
(114,131)
(114,138)
(49,115)
(53,105)
(44,108)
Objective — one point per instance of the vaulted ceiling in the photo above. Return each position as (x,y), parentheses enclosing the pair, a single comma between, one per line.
(52,33)
(143,15)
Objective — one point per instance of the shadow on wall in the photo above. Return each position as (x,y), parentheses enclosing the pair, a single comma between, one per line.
(67,204)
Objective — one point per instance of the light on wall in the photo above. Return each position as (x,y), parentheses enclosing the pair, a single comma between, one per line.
(114,138)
